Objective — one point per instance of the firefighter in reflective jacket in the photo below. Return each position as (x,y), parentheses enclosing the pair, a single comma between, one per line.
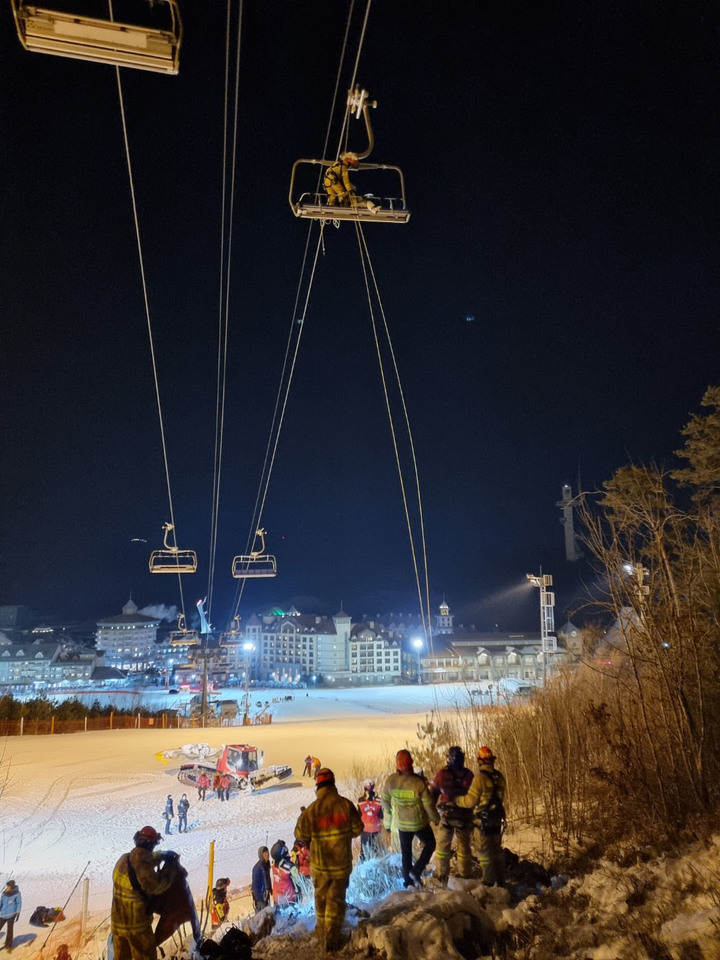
(338,187)
(137,876)
(485,797)
(328,826)
(408,805)
(451,782)
(372,816)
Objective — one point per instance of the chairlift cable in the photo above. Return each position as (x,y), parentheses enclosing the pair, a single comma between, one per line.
(367,269)
(278,418)
(224,297)
(294,334)
(147,312)
(346,120)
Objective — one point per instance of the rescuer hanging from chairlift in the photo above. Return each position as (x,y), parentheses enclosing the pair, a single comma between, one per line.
(338,187)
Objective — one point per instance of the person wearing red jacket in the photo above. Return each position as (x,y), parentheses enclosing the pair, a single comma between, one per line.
(203,784)
(284,872)
(372,816)
(451,782)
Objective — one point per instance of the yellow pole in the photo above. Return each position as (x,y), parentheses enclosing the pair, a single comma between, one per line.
(211,867)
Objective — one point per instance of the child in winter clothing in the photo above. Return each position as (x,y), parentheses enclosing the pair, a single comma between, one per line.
(220,905)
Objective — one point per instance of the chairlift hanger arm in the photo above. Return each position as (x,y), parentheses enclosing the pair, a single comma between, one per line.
(359,103)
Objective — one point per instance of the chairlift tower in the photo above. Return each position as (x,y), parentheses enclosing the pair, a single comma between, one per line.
(548,642)
(567,505)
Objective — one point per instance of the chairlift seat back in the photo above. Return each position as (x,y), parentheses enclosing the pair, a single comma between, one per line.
(42,30)
(173,561)
(254,567)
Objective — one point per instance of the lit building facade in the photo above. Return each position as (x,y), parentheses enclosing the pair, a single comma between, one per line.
(129,640)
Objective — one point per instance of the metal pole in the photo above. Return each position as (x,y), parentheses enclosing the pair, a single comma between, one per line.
(84,908)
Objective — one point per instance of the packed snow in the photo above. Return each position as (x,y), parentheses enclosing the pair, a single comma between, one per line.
(71,804)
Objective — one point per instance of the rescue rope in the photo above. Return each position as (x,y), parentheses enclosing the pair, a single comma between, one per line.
(424,601)
(148,320)
(224,296)
(297,323)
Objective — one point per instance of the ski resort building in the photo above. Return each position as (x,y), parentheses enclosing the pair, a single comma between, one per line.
(129,640)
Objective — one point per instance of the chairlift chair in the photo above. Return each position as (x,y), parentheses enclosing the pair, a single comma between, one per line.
(171,559)
(100,39)
(182,637)
(256,564)
(316,205)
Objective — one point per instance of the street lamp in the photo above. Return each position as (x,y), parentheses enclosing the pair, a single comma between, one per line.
(547,614)
(418,644)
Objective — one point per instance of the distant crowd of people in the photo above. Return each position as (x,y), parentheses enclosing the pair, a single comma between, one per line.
(454,803)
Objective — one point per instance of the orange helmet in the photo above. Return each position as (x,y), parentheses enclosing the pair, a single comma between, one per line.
(404,761)
(324,776)
(485,755)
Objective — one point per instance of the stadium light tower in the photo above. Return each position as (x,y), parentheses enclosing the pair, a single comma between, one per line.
(547,615)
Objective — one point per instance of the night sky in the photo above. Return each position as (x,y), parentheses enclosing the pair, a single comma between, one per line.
(561,164)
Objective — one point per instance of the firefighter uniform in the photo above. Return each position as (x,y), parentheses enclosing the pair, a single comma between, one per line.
(490,854)
(135,879)
(337,184)
(328,826)
(451,782)
(408,805)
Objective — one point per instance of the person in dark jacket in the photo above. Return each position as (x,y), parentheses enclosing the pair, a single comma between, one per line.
(169,813)
(137,876)
(10,907)
(409,808)
(328,827)
(183,807)
(451,782)
(261,880)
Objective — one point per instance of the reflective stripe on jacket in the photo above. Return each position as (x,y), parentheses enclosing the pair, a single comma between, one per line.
(130,912)
(407,799)
(371,813)
(328,827)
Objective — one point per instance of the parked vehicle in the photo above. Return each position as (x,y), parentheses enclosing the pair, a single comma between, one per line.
(242,763)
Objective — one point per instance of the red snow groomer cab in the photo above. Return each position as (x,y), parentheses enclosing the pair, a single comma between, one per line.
(241,763)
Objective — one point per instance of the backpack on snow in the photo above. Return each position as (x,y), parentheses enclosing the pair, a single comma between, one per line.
(491,816)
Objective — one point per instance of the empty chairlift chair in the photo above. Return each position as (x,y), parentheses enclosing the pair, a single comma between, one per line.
(152,45)
(257,563)
(171,559)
